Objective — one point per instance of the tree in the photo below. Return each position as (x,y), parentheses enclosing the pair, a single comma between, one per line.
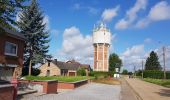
(125,72)
(8,12)
(37,37)
(152,62)
(114,61)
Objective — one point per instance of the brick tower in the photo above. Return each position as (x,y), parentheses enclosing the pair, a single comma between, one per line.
(101,43)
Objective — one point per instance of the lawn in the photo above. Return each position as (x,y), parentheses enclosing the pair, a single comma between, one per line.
(59,78)
(165,83)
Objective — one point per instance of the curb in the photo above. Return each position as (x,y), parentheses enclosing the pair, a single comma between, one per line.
(136,93)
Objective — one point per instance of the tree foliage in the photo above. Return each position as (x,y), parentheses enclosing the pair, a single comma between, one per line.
(152,62)
(8,12)
(114,61)
(81,72)
(31,24)
(125,72)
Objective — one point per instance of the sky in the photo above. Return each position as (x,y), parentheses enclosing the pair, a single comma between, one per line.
(137,26)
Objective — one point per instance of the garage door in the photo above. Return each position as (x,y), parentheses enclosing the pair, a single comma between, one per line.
(72,73)
(6,74)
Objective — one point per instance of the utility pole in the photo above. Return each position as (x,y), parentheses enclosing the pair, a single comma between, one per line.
(135,71)
(164,61)
(142,69)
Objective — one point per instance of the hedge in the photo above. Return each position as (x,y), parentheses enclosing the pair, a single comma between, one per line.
(99,74)
(155,74)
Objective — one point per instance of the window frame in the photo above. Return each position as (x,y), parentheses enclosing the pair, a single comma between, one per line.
(11,54)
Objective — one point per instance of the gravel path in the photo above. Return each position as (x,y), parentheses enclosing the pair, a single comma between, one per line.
(92,91)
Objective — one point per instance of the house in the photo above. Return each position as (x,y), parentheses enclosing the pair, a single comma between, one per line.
(11,54)
(59,68)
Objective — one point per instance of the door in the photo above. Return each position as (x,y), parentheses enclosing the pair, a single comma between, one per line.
(72,73)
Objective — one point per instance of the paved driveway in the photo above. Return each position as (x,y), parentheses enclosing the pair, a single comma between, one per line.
(92,91)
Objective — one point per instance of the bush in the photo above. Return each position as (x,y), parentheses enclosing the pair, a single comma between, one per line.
(99,75)
(81,72)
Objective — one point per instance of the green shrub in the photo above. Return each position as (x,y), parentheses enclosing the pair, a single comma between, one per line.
(81,72)
(99,74)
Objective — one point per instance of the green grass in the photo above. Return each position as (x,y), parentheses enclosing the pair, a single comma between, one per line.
(165,83)
(59,78)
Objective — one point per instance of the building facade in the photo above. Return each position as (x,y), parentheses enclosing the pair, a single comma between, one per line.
(101,44)
(11,54)
(59,68)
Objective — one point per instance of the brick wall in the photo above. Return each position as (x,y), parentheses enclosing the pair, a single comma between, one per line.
(48,86)
(18,60)
(101,57)
(54,70)
(71,85)
(6,92)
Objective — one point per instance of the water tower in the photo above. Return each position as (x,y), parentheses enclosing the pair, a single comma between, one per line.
(101,43)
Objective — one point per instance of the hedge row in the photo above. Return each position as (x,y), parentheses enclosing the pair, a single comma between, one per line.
(99,75)
(155,74)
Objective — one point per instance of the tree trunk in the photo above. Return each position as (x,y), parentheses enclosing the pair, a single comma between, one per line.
(30,66)
(30,63)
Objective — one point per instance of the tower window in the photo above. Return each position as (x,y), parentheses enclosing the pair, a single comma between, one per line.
(48,64)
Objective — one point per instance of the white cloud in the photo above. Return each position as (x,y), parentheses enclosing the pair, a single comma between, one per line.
(148,40)
(160,11)
(122,24)
(131,15)
(132,57)
(90,9)
(76,45)
(135,50)
(157,13)
(108,14)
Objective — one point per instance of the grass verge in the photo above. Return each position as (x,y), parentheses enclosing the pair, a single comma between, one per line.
(162,82)
(59,78)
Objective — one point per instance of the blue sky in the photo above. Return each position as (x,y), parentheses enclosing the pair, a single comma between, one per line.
(137,26)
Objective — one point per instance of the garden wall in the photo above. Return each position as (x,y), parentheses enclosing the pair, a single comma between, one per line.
(41,86)
(71,85)
(6,92)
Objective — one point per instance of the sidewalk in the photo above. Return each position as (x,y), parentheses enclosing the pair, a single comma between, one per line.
(149,91)
(126,92)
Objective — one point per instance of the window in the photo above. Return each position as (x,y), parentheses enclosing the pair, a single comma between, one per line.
(10,49)
(48,64)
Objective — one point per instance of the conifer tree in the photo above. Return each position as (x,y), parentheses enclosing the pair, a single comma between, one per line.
(37,37)
(8,12)
(152,62)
